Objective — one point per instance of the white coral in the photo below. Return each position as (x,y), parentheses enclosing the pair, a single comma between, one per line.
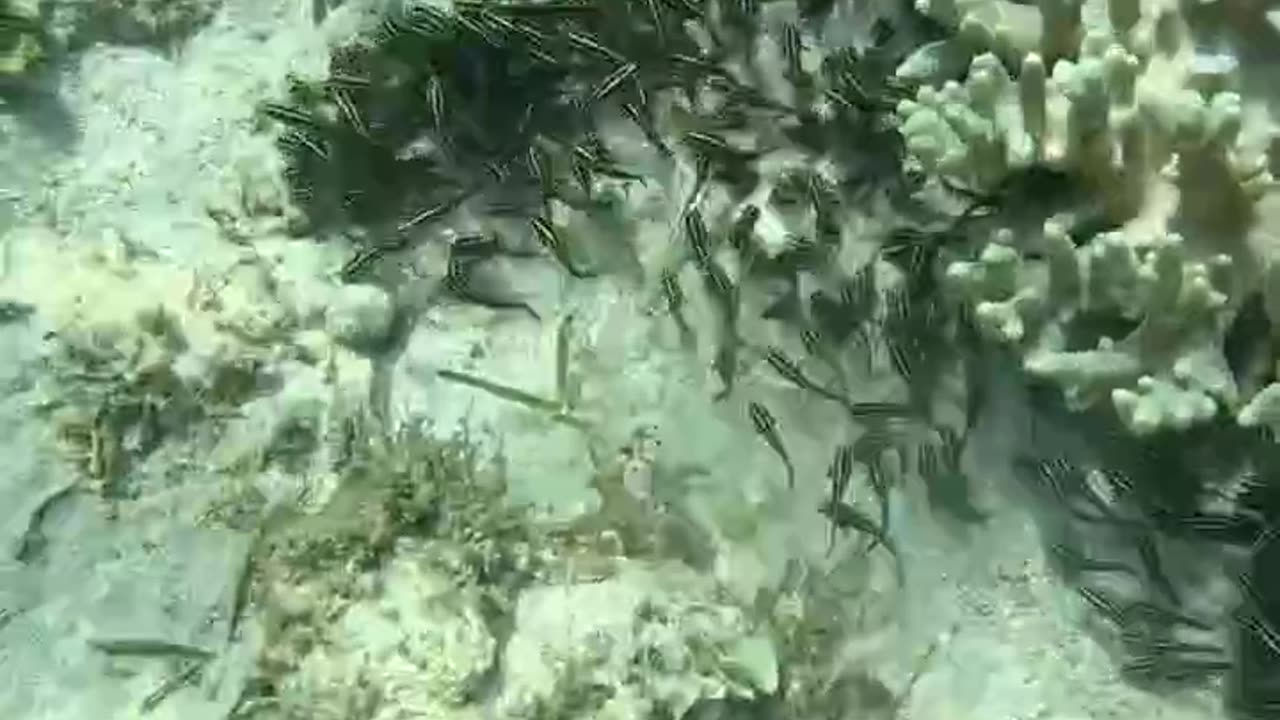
(1113,95)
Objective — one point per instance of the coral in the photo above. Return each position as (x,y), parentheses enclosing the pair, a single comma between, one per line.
(1115,98)
(644,644)
(380,594)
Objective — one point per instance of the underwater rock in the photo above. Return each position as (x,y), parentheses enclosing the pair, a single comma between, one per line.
(645,641)
(415,651)
(360,316)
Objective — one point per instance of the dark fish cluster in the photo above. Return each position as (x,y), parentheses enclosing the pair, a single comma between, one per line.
(1132,531)
(505,100)
(502,106)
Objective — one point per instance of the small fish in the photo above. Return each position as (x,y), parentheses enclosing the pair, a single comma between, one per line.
(613,81)
(477,245)
(840,471)
(841,102)
(565,9)
(477,24)
(642,121)
(790,371)
(297,138)
(1175,662)
(535,43)
(658,19)
(817,345)
(426,20)
(493,22)
(674,296)
(150,646)
(615,172)
(722,288)
(804,253)
(742,17)
(564,390)
(946,485)
(1153,565)
(699,239)
(437,106)
(726,362)
(710,144)
(1073,563)
(900,358)
(366,257)
(291,115)
(339,80)
(593,149)
(580,164)
(1057,475)
(812,341)
(588,44)
(882,30)
(459,281)
(32,542)
(185,675)
(879,483)
(672,292)
(1102,604)
(792,44)
(846,517)
(538,164)
(859,295)
(435,212)
(498,170)
(879,410)
(554,244)
(1253,616)
(826,218)
(766,426)
(554,408)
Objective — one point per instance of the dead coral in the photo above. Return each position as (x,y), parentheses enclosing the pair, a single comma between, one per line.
(402,496)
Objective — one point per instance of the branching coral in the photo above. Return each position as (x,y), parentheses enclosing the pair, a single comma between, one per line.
(1115,97)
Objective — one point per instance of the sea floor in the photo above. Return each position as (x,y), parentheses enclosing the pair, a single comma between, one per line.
(170,197)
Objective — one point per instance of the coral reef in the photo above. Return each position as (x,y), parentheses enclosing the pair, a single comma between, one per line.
(22,44)
(761,389)
(1122,100)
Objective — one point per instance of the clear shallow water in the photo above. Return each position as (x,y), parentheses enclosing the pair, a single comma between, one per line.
(249,475)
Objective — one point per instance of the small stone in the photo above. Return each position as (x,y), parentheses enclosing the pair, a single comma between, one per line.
(359,316)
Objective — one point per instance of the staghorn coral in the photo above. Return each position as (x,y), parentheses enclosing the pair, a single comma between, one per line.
(1175,160)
